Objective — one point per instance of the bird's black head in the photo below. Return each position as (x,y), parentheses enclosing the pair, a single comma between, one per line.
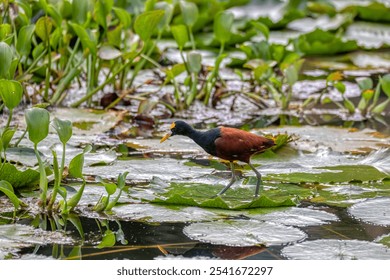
(178,128)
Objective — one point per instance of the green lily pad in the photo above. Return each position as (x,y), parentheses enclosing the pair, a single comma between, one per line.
(334,174)
(319,42)
(19,178)
(203,195)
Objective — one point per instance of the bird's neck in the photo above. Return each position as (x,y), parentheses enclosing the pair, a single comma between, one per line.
(194,134)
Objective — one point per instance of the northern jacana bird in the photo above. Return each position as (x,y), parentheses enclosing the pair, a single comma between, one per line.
(227,143)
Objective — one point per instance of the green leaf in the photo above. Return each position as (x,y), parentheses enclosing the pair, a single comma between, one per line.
(336,174)
(262,28)
(81,10)
(8,190)
(349,105)
(102,10)
(75,199)
(223,23)
(6,137)
(365,83)
(63,128)
(6,59)
(11,92)
(166,20)
(76,166)
(180,34)
(202,195)
(43,28)
(194,60)
(146,23)
(385,83)
(123,16)
(18,178)
(340,86)
(86,38)
(378,109)
(319,42)
(38,121)
(190,13)
(23,45)
(5,31)
(108,240)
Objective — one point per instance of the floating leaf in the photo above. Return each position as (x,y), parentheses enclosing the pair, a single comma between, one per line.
(19,178)
(375,211)
(331,249)
(202,195)
(243,233)
(334,174)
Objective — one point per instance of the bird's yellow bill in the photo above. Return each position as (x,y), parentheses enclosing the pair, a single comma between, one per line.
(166,136)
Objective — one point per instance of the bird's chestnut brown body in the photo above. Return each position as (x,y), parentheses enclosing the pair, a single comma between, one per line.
(226,143)
(235,144)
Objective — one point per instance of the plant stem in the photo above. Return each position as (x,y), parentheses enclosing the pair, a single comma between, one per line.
(42,177)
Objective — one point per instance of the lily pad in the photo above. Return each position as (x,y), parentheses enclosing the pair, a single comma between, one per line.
(88,122)
(18,178)
(331,249)
(20,236)
(297,217)
(375,211)
(243,233)
(334,174)
(161,214)
(203,195)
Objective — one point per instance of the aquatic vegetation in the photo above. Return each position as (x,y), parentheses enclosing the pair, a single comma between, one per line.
(94,176)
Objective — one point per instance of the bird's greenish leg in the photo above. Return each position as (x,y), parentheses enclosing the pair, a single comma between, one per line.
(231,181)
(259,184)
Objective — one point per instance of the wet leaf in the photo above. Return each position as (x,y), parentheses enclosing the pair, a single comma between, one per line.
(243,233)
(334,174)
(18,178)
(375,211)
(109,53)
(23,45)
(202,195)
(108,240)
(319,42)
(162,214)
(330,249)
(294,216)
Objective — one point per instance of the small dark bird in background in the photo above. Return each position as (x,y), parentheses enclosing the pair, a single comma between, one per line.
(226,143)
